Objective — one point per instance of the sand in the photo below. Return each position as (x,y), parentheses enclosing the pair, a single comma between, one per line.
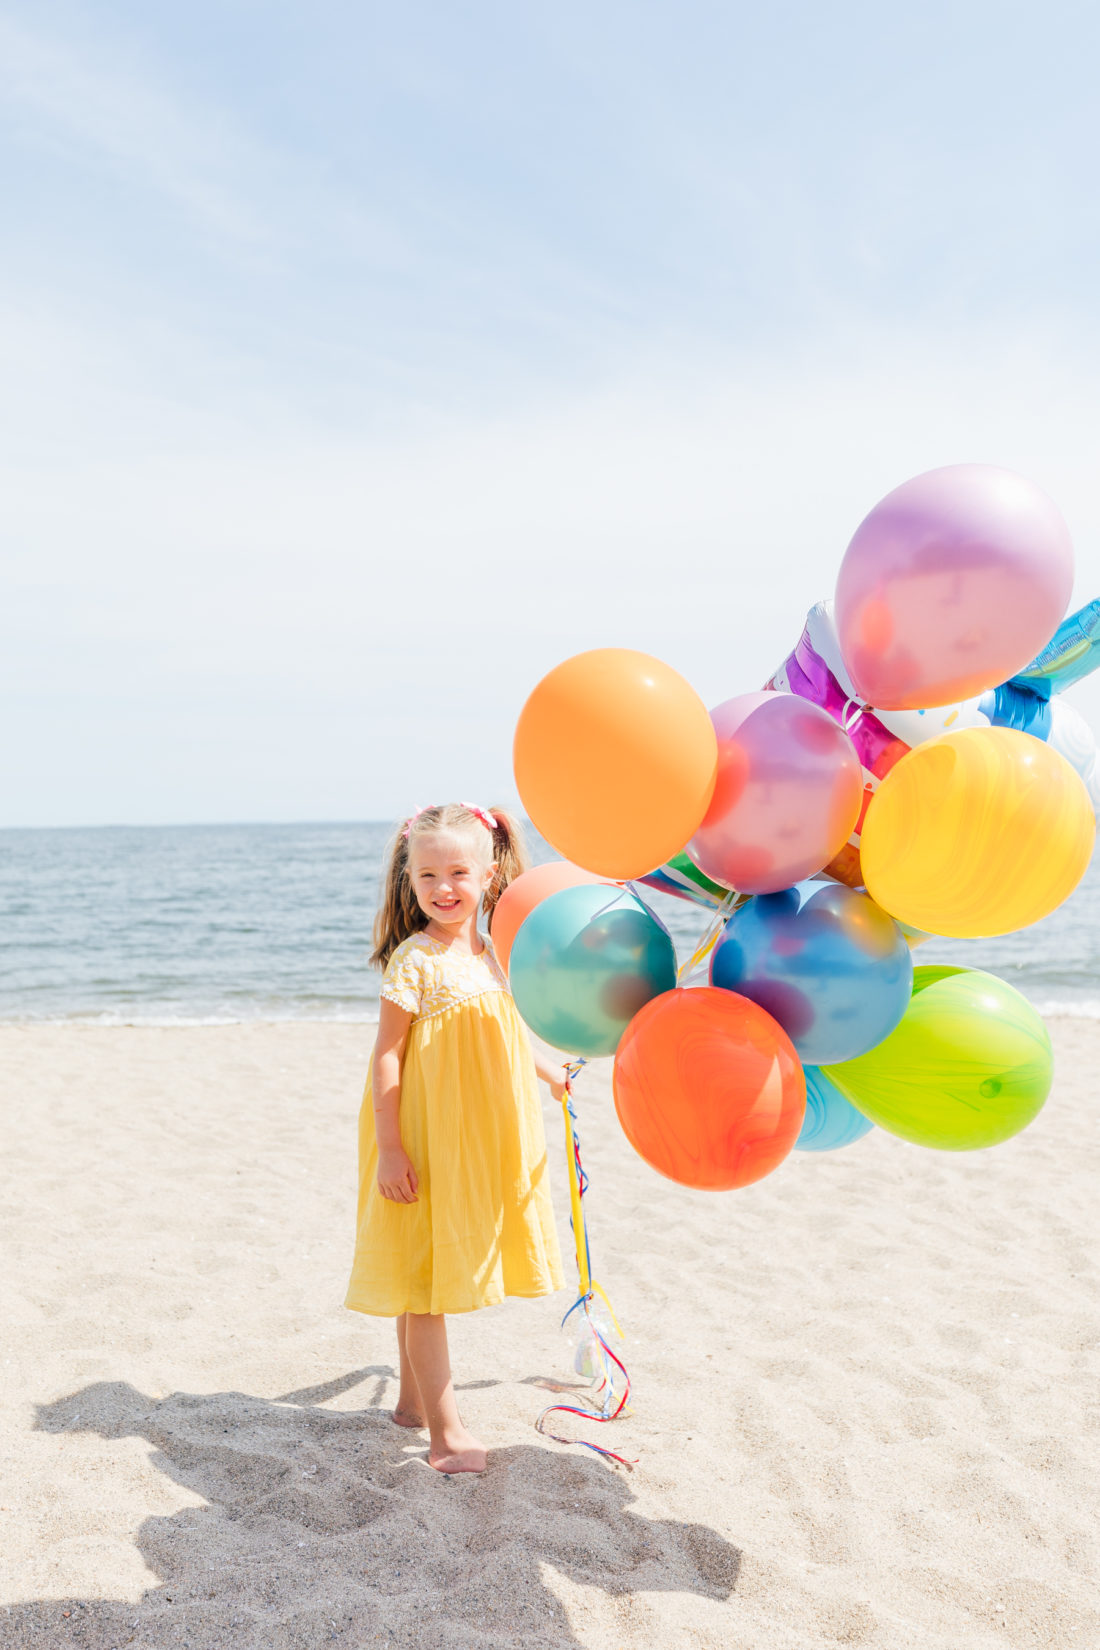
(867,1409)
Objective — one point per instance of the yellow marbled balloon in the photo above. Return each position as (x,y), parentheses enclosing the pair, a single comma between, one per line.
(979,832)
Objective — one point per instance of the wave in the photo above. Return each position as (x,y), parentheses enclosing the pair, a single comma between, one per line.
(118,1017)
(209,926)
(1085,1008)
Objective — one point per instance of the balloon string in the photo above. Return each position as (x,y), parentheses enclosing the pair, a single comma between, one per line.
(607,1409)
(648,909)
(623,888)
(711,937)
(852,713)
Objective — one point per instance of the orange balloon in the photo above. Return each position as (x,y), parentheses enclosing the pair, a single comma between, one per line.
(521,896)
(708,1088)
(615,760)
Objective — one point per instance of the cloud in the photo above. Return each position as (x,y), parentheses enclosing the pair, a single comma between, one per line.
(104,107)
(331,418)
(100,109)
(367,613)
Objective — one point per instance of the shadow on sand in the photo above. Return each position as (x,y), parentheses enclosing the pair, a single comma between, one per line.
(327,1526)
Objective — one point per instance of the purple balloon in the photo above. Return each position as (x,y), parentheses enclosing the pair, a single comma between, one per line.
(952,584)
(788,794)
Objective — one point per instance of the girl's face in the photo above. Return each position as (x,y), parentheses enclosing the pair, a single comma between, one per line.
(449,876)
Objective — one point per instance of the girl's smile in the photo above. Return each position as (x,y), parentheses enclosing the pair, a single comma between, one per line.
(449,878)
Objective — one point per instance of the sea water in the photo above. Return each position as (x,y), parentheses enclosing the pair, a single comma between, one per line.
(202,924)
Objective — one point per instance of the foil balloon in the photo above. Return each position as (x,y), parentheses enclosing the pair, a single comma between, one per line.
(615,760)
(825,961)
(951,584)
(708,1089)
(787,796)
(831,1120)
(1072,653)
(583,963)
(970,1064)
(977,833)
(684,880)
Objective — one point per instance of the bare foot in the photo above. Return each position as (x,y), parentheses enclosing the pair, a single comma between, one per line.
(461,1454)
(407,1418)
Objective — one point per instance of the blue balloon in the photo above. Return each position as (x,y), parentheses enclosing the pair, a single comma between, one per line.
(1013,706)
(1072,652)
(831,1120)
(583,963)
(823,960)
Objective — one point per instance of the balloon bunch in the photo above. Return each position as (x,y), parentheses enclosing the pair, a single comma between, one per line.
(909,770)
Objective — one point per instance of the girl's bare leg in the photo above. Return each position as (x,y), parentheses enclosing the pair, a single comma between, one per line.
(452,1448)
(408,1411)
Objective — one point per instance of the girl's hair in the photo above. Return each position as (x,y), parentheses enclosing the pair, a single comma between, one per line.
(399,914)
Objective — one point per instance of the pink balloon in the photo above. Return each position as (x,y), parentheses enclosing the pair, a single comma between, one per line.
(953,583)
(788,795)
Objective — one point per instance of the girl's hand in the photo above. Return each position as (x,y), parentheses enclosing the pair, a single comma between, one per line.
(551,1070)
(396,1176)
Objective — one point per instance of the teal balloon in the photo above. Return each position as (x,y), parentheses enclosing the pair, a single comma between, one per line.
(831,1120)
(584,962)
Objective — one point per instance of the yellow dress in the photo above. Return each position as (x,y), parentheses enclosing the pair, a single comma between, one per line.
(471,1121)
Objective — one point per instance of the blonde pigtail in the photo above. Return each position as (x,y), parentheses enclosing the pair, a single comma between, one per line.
(399,913)
(509,854)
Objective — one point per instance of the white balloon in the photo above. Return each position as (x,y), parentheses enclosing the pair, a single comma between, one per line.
(1071,736)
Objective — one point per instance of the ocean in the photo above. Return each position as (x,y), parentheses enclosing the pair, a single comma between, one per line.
(214,924)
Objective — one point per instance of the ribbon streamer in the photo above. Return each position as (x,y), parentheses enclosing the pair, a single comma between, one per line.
(609,1405)
(732,902)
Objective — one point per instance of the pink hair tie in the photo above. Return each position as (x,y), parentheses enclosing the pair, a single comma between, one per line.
(415,815)
(483,814)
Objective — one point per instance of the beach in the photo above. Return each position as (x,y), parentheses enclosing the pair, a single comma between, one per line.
(865,1389)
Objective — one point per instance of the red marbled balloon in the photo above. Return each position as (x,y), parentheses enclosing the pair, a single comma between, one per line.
(708,1088)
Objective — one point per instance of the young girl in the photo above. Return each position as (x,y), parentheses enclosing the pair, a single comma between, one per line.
(454,1206)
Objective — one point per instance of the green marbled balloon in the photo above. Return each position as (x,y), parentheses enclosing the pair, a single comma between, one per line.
(969,1064)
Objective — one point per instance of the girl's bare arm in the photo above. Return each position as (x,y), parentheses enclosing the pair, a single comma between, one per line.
(396,1175)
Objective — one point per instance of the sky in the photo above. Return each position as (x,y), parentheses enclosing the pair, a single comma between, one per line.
(360,363)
